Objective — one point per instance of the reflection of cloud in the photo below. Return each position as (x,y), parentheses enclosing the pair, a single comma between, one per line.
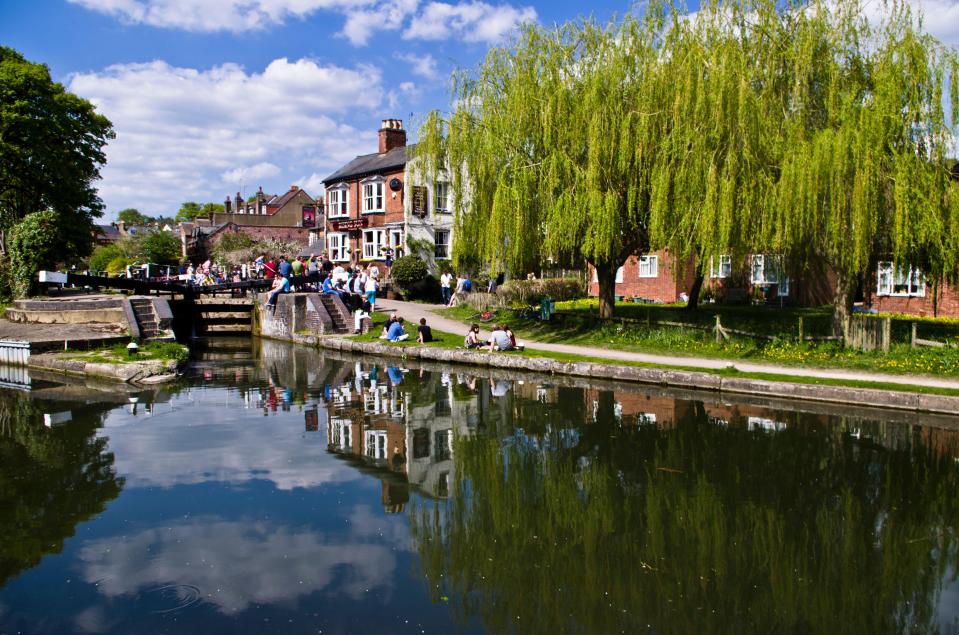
(235,564)
(390,529)
(211,442)
(92,620)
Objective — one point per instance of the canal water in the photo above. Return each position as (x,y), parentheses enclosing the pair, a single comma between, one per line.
(279,489)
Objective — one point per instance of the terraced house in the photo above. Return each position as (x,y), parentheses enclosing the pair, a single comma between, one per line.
(375,206)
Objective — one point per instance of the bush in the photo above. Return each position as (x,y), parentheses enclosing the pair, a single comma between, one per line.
(526,292)
(103,256)
(117,265)
(159,247)
(36,243)
(408,271)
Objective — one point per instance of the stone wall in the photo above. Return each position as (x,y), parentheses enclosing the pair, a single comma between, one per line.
(302,313)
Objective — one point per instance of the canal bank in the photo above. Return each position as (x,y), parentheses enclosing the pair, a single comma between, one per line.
(282,325)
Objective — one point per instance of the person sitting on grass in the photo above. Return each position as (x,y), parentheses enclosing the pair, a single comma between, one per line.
(472,337)
(424,333)
(512,336)
(385,333)
(396,332)
(499,340)
(280,285)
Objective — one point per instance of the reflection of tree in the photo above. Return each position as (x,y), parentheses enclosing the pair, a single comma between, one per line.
(51,479)
(694,529)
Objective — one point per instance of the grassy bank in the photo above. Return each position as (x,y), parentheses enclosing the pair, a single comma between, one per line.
(642,332)
(117,354)
(452,340)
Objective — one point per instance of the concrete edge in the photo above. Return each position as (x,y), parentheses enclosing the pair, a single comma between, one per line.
(131,319)
(147,371)
(869,397)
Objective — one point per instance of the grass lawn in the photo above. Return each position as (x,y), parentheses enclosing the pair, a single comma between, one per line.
(117,354)
(578,325)
(450,340)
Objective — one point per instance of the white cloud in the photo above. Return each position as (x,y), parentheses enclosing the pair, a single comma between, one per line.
(361,25)
(213,15)
(181,131)
(251,173)
(235,564)
(422,65)
(940,18)
(469,21)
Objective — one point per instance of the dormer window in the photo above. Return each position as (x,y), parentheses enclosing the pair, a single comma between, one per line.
(337,199)
(373,195)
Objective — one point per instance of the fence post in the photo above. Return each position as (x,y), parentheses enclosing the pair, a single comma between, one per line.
(648,322)
(801,335)
(886,334)
(719,330)
(912,341)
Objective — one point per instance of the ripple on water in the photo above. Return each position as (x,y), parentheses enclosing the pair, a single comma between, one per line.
(171,597)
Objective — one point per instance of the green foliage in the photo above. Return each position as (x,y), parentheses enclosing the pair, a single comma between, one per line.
(524,292)
(212,208)
(102,256)
(36,243)
(51,151)
(159,247)
(408,271)
(131,216)
(232,242)
(118,264)
(189,211)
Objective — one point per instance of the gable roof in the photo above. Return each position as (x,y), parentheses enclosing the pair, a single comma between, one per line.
(373,164)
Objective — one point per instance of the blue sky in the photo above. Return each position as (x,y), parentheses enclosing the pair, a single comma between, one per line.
(209,97)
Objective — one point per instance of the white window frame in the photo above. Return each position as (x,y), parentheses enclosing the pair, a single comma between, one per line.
(338,201)
(619,275)
(443,186)
(889,276)
(768,267)
(337,246)
(371,249)
(396,241)
(437,245)
(375,444)
(649,266)
(720,267)
(373,198)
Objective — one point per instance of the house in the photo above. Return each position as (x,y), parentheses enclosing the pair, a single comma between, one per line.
(373,205)
(294,215)
(892,288)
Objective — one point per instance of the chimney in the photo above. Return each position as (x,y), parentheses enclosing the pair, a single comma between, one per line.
(227,204)
(239,201)
(294,188)
(392,135)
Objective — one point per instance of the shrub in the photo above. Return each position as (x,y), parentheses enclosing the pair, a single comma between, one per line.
(526,292)
(103,256)
(117,265)
(36,243)
(408,271)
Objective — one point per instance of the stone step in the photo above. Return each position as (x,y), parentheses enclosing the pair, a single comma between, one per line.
(228,328)
(215,315)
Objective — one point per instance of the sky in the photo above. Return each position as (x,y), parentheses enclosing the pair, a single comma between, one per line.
(212,97)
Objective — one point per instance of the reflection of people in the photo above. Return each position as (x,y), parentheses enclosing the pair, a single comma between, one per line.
(498,387)
(396,375)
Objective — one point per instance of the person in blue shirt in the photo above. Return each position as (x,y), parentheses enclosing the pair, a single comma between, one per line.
(280,285)
(396,332)
(328,287)
(284,267)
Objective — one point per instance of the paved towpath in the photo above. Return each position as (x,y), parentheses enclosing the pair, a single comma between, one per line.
(413,311)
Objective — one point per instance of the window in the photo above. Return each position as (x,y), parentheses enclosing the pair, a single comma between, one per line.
(782,289)
(336,201)
(373,196)
(373,241)
(376,444)
(396,242)
(900,281)
(337,246)
(441,193)
(442,242)
(766,269)
(619,275)
(648,266)
(720,266)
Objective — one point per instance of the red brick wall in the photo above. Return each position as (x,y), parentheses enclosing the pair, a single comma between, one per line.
(393,212)
(662,288)
(298,234)
(943,302)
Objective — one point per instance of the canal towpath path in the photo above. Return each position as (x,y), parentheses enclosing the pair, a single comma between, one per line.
(413,311)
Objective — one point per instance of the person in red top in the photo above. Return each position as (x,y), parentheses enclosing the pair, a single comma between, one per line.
(269,269)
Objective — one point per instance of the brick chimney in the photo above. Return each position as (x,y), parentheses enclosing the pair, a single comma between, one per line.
(392,135)
(228,205)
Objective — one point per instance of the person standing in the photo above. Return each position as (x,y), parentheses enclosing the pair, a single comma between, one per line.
(446,280)
(284,267)
(370,288)
(269,269)
(296,267)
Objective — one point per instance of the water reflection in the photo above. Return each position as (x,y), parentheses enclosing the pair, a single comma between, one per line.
(278,489)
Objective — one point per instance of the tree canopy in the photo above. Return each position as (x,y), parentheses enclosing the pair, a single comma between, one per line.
(51,151)
(805,130)
(133,216)
(192,210)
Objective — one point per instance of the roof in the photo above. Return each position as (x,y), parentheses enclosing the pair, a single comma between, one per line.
(286,198)
(206,230)
(110,232)
(373,164)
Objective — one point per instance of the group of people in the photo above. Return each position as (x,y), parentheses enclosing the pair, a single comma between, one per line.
(501,339)
(356,286)
(394,331)
(464,284)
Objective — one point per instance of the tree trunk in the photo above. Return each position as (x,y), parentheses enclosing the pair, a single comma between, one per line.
(842,300)
(606,276)
(694,292)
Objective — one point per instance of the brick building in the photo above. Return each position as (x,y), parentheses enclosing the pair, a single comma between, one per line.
(894,289)
(373,205)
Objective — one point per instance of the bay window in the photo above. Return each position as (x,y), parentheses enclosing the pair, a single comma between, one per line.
(900,281)
(373,196)
(337,246)
(336,201)
(373,241)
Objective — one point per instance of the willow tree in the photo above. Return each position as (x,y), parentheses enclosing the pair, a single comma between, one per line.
(551,146)
(863,174)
